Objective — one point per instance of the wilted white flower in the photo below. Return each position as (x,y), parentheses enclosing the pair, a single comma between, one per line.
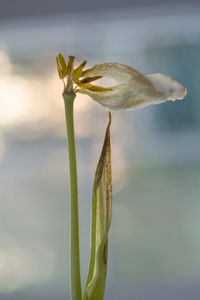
(136,90)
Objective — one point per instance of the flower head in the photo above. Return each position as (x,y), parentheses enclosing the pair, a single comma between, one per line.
(71,77)
(136,90)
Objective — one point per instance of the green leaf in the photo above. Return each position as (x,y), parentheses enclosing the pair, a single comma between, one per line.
(100,223)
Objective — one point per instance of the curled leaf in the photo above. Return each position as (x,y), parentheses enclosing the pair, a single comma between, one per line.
(101,218)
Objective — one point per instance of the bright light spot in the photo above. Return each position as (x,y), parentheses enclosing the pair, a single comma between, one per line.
(21,266)
(27,99)
(4,63)
(15,99)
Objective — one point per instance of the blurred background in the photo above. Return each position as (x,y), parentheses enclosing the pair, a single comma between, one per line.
(155,234)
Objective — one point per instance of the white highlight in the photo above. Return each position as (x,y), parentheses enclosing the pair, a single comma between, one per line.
(22,266)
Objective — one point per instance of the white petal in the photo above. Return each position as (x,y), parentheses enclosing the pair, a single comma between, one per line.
(116,71)
(169,87)
(110,99)
(137,91)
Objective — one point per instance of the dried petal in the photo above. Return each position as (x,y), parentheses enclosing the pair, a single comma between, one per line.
(89,79)
(169,87)
(136,91)
(95,88)
(61,66)
(117,71)
(78,71)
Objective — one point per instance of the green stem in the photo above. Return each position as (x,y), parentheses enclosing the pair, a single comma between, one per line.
(75,278)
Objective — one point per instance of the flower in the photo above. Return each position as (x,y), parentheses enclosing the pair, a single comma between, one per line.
(136,90)
(66,70)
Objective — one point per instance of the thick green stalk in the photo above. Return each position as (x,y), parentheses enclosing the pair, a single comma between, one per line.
(75,278)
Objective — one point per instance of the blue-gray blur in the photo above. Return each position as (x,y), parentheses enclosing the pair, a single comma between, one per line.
(154,248)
